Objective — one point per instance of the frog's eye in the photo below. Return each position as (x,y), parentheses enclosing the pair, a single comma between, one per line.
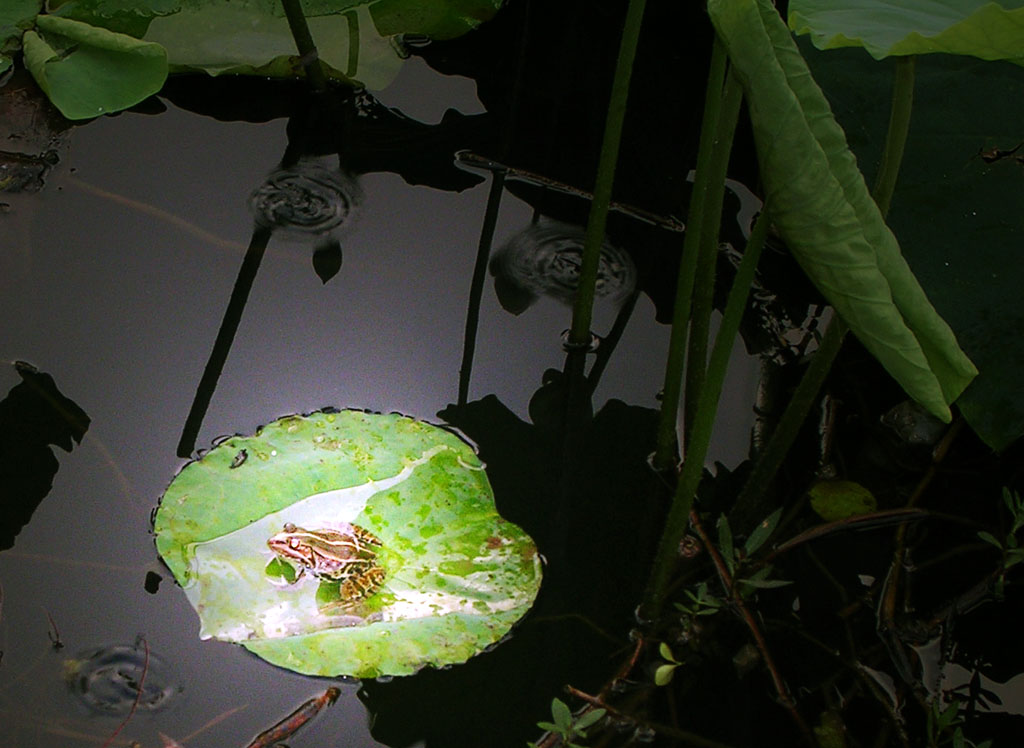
(289,527)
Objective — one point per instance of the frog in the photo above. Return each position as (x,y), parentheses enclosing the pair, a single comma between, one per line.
(346,555)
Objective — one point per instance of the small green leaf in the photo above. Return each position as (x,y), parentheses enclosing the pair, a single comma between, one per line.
(589,719)
(990,538)
(762,532)
(665,651)
(663,675)
(561,714)
(766,584)
(548,726)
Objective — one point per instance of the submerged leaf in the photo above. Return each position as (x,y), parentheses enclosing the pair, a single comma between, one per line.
(824,211)
(449,578)
(965,27)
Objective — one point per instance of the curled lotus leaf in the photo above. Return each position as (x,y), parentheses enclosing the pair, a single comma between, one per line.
(409,562)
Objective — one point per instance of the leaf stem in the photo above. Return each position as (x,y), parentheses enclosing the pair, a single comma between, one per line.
(896,136)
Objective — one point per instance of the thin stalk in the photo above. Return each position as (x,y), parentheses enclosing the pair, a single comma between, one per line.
(679,514)
(308,55)
(746,511)
(583,308)
(704,285)
(896,136)
(666,453)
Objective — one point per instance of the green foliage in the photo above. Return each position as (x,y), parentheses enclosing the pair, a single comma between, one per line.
(566,726)
(1010,545)
(702,602)
(809,173)
(967,27)
(945,728)
(93,57)
(663,674)
(88,71)
(734,557)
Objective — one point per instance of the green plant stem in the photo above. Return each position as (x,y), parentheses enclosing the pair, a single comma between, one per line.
(666,453)
(679,514)
(304,43)
(704,283)
(896,136)
(746,510)
(583,308)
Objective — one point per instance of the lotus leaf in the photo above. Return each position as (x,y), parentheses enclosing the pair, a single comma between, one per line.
(456,575)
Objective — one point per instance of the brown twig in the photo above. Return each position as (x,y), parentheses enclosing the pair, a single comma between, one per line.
(755,631)
(291,724)
(54,632)
(138,696)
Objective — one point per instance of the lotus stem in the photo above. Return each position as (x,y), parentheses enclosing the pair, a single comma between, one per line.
(896,137)
(304,43)
(583,308)
(704,284)
(679,514)
(666,453)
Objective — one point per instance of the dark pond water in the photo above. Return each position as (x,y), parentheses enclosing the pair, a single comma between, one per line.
(114,279)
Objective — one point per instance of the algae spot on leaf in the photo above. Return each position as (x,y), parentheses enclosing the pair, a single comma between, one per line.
(356,558)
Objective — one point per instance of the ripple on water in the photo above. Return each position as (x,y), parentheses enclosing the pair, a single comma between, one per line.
(106,679)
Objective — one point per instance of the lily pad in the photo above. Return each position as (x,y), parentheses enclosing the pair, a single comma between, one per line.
(991,31)
(456,576)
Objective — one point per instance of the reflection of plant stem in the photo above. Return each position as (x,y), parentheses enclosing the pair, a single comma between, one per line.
(477,287)
(666,454)
(707,252)
(582,312)
(704,418)
(746,509)
(225,336)
(304,42)
(609,341)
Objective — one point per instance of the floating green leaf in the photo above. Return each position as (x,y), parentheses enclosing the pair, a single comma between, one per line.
(88,71)
(980,28)
(457,576)
(355,39)
(824,211)
(15,17)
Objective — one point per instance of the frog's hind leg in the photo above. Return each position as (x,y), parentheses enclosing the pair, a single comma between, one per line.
(363,585)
